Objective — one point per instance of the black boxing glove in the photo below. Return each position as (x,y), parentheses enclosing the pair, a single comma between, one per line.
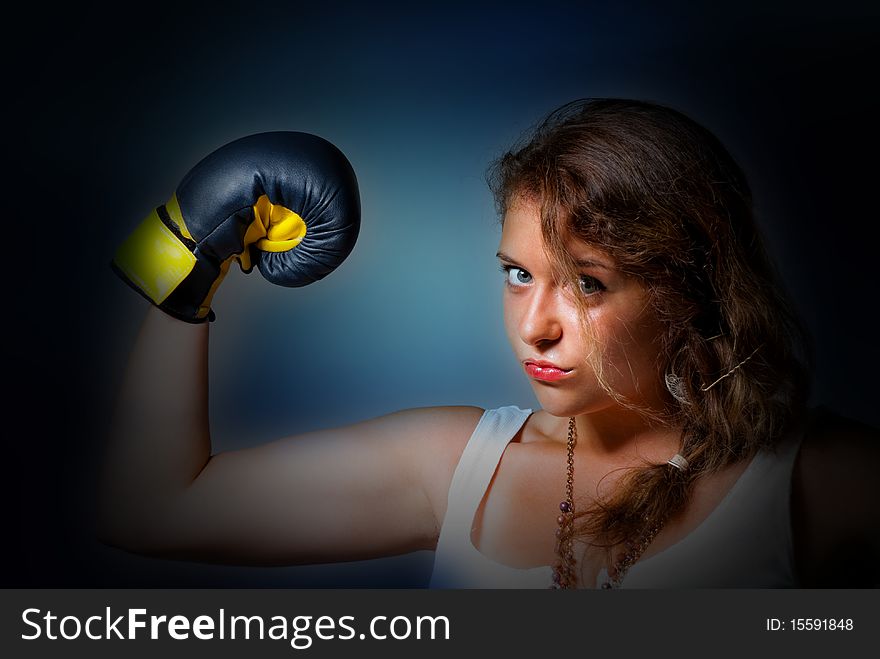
(286,202)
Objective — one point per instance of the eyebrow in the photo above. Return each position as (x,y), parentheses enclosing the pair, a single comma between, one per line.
(581,263)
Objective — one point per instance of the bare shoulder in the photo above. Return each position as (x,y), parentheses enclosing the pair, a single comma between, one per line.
(444,433)
(835,516)
(431,439)
(441,432)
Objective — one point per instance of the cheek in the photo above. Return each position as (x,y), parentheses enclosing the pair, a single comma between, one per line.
(629,347)
(511,317)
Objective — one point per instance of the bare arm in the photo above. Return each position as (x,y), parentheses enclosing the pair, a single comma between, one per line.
(368,489)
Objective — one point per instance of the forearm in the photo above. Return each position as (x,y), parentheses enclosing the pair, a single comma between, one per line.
(159,437)
(157,496)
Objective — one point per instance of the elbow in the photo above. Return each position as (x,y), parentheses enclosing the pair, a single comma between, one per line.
(132,525)
(118,529)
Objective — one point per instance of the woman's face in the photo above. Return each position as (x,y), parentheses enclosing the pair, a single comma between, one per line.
(544,328)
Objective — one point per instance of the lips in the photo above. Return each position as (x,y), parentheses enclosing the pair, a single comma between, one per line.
(545,371)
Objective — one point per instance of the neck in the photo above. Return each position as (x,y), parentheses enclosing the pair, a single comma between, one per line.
(620,434)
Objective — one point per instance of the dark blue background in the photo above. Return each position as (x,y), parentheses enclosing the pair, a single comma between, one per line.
(108,110)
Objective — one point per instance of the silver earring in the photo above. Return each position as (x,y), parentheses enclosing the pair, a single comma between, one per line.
(675,386)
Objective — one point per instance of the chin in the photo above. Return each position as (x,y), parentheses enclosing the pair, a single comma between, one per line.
(563,404)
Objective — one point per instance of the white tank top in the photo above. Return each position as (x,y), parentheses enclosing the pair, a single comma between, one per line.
(745,542)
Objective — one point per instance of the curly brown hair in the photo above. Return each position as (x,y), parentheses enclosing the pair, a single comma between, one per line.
(662,196)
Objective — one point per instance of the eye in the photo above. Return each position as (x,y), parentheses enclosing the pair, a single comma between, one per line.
(516,276)
(591,285)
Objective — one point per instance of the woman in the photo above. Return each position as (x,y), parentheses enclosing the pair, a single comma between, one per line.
(673,447)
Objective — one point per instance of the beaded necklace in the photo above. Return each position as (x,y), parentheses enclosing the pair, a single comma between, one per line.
(564,574)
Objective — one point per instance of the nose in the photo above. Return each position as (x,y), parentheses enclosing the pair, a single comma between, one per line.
(541,322)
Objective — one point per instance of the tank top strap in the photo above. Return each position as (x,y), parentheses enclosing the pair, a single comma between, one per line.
(457,563)
(477,464)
